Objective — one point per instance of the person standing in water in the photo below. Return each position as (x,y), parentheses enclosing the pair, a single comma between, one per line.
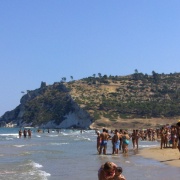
(137,135)
(98,141)
(29,133)
(104,139)
(116,142)
(120,138)
(25,133)
(20,133)
(125,139)
(133,137)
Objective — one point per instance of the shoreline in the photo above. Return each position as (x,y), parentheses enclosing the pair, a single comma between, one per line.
(167,156)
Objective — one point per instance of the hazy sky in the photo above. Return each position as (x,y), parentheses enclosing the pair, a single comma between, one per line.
(45,40)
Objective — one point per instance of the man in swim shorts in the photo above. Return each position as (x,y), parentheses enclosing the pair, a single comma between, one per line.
(116,142)
(104,136)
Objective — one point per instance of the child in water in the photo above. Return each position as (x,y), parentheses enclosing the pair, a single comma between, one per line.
(118,174)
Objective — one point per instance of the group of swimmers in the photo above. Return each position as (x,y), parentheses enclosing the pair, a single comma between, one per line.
(25,133)
(120,140)
(48,130)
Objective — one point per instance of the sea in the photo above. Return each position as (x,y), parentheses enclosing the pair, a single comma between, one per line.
(71,154)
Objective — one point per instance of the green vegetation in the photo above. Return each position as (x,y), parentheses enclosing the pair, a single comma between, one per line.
(50,104)
(134,96)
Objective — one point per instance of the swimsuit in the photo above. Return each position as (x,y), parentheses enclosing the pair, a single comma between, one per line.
(104,143)
(116,144)
(125,141)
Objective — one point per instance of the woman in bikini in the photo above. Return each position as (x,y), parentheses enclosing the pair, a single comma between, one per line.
(125,141)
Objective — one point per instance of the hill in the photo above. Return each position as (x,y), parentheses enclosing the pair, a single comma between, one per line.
(133,101)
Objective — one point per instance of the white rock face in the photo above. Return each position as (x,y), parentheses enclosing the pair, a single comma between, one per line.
(74,119)
(78,118)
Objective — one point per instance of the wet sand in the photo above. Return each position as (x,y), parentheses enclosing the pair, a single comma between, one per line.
(167,155)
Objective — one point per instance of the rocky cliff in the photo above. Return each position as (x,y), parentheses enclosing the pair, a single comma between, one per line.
(48,107)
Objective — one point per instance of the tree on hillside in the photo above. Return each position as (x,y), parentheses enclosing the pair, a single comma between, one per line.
(155,76)
(135,75)
(63,79)
(99,74)
(136,71)
(105,76)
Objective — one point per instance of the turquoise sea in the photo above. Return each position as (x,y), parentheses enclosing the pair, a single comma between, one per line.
(68,155)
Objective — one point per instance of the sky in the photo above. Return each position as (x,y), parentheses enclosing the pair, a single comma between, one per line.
(46,40)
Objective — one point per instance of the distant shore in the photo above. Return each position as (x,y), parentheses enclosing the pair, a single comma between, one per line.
(167,155)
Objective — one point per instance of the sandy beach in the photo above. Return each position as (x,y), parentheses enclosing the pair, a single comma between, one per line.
(167,155)
(136,123)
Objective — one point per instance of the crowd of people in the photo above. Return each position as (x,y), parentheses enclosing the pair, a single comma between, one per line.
(119,138)
(168,135)
(110,171)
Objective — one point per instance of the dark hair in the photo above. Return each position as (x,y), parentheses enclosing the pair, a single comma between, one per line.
(119,169)
(104,130)
(178,124)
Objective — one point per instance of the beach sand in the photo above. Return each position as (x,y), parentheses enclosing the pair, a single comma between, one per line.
(167,155)
(136,123)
